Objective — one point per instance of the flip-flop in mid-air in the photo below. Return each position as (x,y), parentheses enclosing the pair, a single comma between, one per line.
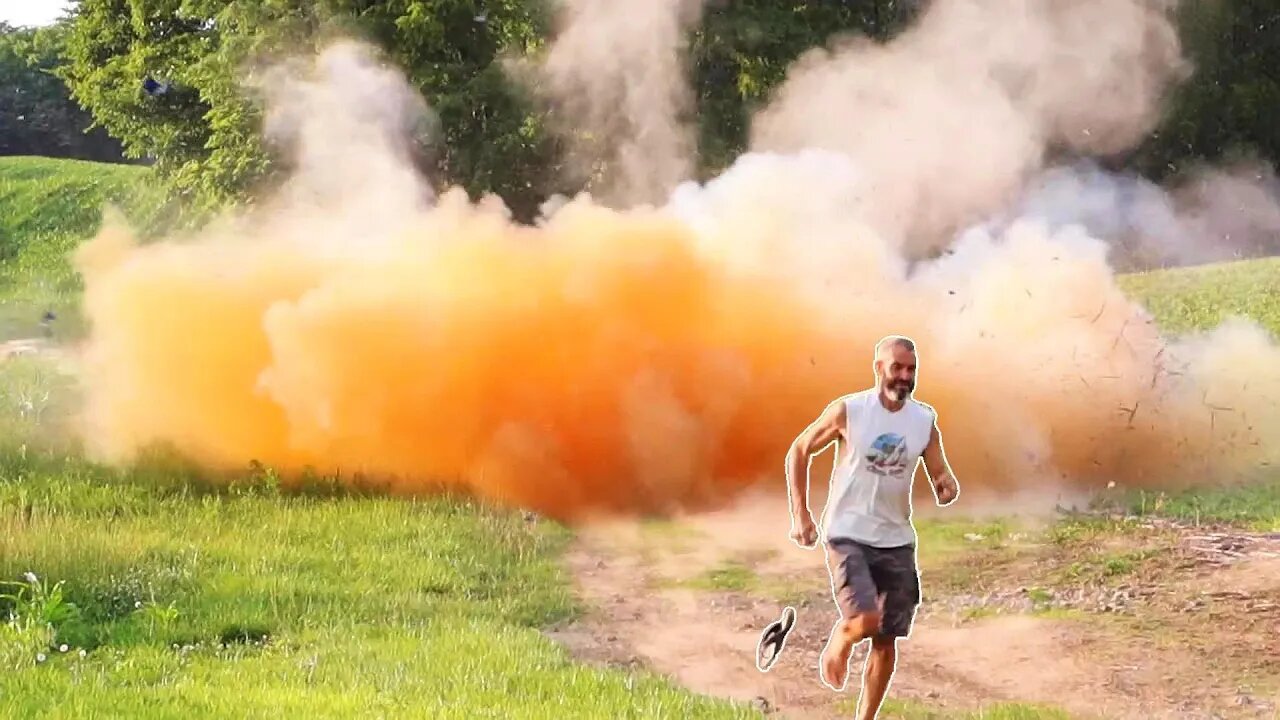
(774,639)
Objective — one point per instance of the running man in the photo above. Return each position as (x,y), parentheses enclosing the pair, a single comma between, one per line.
(870,539)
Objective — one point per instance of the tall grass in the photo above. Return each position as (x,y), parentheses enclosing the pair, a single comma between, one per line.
(150,592)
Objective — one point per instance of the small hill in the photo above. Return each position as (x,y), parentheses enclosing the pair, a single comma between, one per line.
(1192,298)
(43,197)
(47,206)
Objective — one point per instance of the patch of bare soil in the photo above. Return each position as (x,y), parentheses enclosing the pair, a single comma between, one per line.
(1083,661)
(1228,616)
(63,357)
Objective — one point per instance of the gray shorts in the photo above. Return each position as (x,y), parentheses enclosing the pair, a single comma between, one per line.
(863,576)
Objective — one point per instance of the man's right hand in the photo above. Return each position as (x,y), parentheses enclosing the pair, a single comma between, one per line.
(804,533)
(821,432)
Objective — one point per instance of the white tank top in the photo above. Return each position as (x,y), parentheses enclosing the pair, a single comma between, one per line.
(870,498)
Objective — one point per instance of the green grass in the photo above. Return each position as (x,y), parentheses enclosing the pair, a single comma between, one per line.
(738,576)
(1254,504)
(248,604)
(940,540)
(370,606)
(730,575)
(161,591)
(47,207)
(1105,566)
(1198,298)
(45,197)
(666,535)
(963,555)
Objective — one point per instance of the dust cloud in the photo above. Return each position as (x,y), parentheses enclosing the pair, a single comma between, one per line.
(661,358)
(1215,214)
(616,83)
(951,118)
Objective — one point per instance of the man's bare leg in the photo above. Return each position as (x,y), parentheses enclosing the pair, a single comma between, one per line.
(876,675)
(846,634)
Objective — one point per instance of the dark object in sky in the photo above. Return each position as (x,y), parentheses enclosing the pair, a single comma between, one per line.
(774,639)
(153,87)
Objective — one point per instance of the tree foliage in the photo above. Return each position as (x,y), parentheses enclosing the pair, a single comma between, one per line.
(37,115)
(204,132)
(1226,111)
(742,51)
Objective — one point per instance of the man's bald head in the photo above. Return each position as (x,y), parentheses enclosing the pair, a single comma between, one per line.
(891,343)
(895,367)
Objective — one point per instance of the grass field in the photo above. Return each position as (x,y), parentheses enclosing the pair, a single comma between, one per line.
(1186,299)
(168,601)
(47,207)
(149,593)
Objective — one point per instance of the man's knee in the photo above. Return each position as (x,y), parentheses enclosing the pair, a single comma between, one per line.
(862,625)
(884,644)
(884,650)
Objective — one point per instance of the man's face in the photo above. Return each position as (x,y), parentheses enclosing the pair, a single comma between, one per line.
(897,372)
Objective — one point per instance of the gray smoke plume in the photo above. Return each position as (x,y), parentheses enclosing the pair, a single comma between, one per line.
(1215,214)
(616,81)
(949,120)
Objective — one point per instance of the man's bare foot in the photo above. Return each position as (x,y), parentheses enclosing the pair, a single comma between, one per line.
(835,661)
(844,636)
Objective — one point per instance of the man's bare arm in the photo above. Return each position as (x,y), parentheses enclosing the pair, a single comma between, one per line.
(945,487)
(812,440)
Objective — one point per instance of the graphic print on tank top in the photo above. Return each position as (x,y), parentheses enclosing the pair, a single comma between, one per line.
(887,454)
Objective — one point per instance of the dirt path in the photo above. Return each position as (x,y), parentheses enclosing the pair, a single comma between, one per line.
(644,614)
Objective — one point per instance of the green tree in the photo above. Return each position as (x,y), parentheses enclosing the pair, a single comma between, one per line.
(743,49)
(204,133)
(37,114)
(205,130)
(1226,109)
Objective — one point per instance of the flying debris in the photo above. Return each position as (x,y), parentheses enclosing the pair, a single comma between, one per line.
(154,87)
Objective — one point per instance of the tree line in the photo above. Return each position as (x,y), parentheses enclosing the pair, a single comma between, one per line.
(158,82)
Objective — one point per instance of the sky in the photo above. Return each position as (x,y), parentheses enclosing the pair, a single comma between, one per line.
(31,12)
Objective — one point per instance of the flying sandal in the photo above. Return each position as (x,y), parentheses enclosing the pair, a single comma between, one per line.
(774,639)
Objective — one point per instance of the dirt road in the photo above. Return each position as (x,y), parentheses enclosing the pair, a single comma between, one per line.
(688,600)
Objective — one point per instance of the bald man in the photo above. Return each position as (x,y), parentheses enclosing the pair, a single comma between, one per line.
(870,540)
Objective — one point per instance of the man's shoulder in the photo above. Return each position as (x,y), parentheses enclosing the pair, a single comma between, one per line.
(846,406)
(855,399)
(924,408)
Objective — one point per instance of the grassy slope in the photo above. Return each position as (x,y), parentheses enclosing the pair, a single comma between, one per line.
(368,606)
(47,206)
(246,603)
(1190,299)
(1187,299)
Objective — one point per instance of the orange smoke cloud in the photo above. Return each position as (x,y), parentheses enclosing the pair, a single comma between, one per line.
(628,361)
(595,362)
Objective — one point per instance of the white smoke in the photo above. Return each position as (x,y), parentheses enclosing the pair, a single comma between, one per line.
(1217,214)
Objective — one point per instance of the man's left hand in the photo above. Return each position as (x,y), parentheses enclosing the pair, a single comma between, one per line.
(946,490)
